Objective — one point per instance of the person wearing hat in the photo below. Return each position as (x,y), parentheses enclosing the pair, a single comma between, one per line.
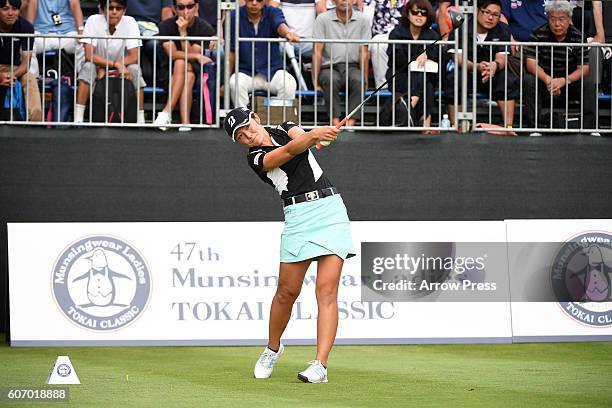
(317,228)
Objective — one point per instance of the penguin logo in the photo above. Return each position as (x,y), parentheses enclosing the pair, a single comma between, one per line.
(581,278)
(101,283)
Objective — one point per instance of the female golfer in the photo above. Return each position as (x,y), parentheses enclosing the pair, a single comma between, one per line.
(316,228)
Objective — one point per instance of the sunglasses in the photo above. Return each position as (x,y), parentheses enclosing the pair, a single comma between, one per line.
(258,1)
(185,6)
(116,8)
(418,12)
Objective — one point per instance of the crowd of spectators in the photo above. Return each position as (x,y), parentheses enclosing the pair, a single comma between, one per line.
(310,28)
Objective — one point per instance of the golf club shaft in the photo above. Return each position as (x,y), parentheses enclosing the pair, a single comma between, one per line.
(343,121)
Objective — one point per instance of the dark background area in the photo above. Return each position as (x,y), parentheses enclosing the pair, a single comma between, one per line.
(113,174)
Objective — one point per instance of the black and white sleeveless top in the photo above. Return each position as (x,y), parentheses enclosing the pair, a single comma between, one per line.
(299,175)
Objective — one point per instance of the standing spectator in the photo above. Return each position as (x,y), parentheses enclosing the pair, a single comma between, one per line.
(387,14)
(415,24)
(334,62)
(261,21)
(568,75)
(63,17)
(490,61)
(148,14)
(182,57)
(102,55)
(15,53)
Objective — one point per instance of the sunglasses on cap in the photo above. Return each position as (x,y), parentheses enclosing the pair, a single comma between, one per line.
(418,12)
(185,6)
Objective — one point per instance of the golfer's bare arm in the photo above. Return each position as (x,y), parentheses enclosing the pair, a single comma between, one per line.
(302,141)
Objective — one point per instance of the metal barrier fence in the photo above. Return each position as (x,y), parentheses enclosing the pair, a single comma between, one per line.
(61,81)
(417,100)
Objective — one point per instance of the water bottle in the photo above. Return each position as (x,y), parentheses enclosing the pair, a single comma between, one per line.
(445,122)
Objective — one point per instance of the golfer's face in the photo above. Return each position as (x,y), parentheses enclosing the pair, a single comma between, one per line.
(252,135)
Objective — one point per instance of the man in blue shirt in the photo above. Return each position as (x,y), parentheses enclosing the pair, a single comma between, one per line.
(258,20)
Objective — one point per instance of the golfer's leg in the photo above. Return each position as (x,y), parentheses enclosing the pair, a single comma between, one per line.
(290,278)
(328,278)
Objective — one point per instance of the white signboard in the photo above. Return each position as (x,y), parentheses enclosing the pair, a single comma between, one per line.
(212,283)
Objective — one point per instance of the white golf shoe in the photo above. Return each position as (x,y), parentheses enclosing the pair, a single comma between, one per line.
(265,364)
(315,373)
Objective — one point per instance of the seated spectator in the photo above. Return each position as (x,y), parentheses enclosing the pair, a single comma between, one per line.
(490,61)
(387,13)
(415,24)
(15,53)
(258,20)
(102,55)
(182,57)
(568,75)
(524,17)
(300,16)
(333,63)
(63,17)
(326,5)
(148,14)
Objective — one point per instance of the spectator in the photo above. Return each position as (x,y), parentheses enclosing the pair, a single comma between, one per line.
(63,17)
(15,53)
(183,56)
(415,24)
(568,75)
(524,17)
(387,14)
(148,14)
(326,5)
(491,61)
(300,16)
(333,63)
(102,55)
(261,21)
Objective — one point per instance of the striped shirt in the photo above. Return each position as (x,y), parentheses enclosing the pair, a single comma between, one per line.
(560,56)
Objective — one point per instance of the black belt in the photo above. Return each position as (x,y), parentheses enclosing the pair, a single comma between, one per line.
(310,196)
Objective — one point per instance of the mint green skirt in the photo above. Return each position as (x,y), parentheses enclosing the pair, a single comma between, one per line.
(316,228)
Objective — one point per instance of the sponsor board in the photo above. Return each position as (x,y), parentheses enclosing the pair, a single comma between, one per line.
(576,269)
(212,283)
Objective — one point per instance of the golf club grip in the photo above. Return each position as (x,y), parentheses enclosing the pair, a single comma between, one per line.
(325,143)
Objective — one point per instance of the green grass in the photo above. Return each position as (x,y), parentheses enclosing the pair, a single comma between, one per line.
(517,375)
